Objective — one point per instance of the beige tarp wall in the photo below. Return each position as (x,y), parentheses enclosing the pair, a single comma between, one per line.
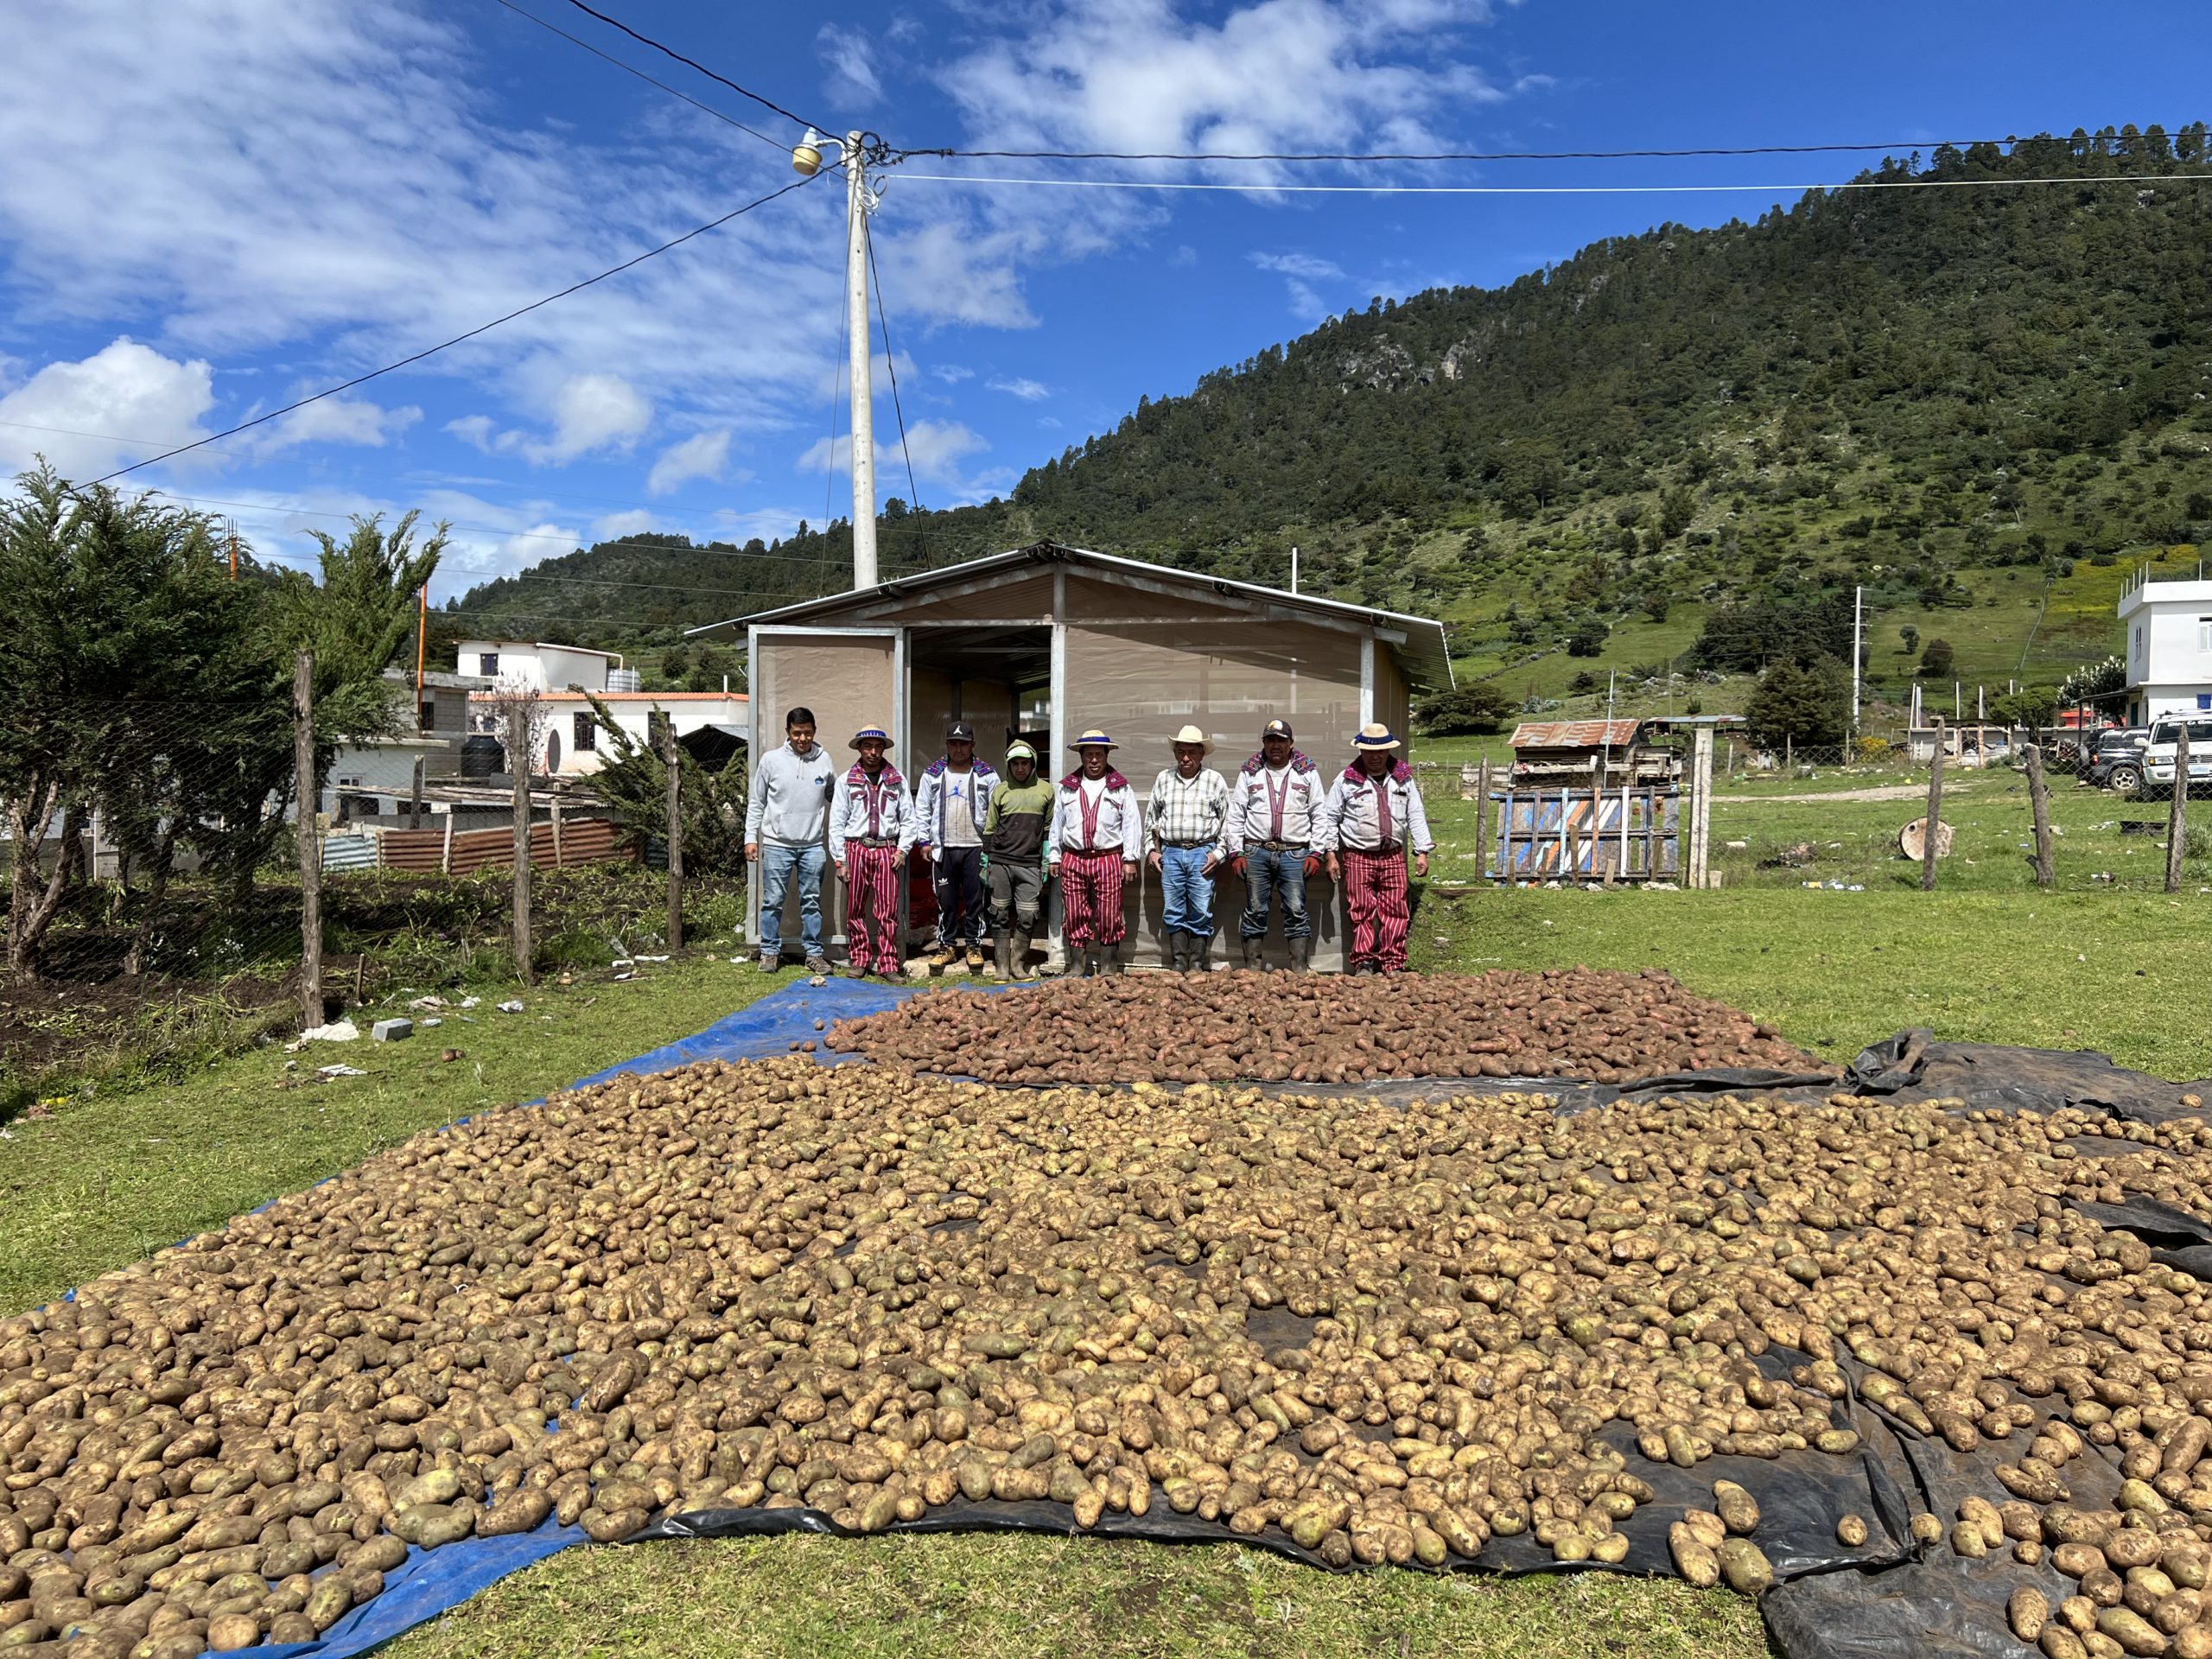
(849,681)
(1229,676)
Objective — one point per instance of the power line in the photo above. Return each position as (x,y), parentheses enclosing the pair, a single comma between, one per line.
(650,81)
(1451,155)
(891,362)
(1262,188)
(430,351)
(670,50)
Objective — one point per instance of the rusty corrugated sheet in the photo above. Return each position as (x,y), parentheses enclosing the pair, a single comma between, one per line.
(589,840)
(1574,734)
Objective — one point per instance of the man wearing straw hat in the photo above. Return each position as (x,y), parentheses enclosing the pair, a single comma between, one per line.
(1184,822)
(1373,813)
(871,823)
(1094,844)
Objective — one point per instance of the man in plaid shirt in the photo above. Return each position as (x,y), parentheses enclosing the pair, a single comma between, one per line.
(1184,821)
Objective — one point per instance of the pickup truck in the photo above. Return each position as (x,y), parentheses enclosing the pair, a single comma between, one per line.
(2158,754)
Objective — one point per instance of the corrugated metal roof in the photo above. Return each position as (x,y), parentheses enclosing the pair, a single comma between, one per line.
(1423,651)
(1574,734)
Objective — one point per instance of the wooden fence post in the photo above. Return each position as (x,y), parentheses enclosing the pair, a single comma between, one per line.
(2177,812)
(559,858)
(671,758)
(309,839)
(2039,802)
(1933,824)
(518,721)
(445,853)
(1481,820)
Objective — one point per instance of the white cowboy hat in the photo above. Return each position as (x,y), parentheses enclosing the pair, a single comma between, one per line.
(1192,734)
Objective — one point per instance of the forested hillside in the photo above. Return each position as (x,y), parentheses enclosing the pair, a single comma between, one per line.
(1955,395)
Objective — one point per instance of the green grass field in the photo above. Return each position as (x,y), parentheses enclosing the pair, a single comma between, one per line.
(106,1178)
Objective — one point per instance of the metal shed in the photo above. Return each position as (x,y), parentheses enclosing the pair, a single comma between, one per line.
(1086,639)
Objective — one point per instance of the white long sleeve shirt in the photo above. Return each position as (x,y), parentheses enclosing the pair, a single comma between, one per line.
(1354,816)
(1111,806)
(1267,804)
(865,808)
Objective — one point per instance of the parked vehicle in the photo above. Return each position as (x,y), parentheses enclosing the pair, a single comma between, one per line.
(2159,753)
(2117,762)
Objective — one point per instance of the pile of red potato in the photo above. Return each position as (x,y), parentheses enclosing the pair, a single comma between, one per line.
(1601,1028)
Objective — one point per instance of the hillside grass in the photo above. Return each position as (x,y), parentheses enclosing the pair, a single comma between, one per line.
(108,1178)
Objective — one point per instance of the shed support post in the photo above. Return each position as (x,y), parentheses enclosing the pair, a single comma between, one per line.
(1701,802)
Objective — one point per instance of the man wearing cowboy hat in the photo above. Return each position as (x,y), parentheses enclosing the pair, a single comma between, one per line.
(1015,818)
(871,822)
(1275,823)
(1183,822)
(1373,813)
(1095,842)
(949,823)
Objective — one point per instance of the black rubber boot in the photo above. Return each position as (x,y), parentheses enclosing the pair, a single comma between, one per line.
(1201,952)
(1110,959)
(1302,955)
(1178,950)
(1003,954)
(1020,952)
(1252,958)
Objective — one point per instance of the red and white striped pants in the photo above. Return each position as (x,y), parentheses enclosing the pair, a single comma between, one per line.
(1375,893)
(1091,897)
(872,907)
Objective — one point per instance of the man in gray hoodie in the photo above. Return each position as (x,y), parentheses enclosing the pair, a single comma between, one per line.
(787,815)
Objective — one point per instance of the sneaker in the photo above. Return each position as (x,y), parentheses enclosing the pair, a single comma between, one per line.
(772,964)
(818,964)
(854,970)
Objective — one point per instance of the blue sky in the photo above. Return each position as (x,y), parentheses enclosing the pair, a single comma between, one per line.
(209,208)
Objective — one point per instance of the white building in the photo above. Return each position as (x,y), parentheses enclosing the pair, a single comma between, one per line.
(573,743)
(542,666)
(2168,647)
(439,723)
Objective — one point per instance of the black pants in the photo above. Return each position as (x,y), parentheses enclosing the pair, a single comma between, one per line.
(958,877)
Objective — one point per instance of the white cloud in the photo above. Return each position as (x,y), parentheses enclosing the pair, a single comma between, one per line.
(122,403)
(936,446)
(335,419)
(527,547)
(590,412)
(1029,391)
(1312,267)
(952,373)
(474,430)
(703,455)
(847,54)
(615,526)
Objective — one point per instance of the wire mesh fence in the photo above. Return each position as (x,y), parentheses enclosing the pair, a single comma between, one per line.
(156,896)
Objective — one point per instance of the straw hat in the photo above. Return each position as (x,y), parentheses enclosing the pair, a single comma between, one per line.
(1093,739)
(872,731)
(1374,736)
(1192,734)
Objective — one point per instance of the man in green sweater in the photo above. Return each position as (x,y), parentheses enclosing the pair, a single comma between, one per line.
(1014,821)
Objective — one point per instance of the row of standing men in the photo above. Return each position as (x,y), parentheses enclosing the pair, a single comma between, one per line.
(995,841)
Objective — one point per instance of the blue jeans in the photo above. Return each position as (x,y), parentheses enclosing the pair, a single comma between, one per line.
(1269,875)
(1189,892)
(777,863)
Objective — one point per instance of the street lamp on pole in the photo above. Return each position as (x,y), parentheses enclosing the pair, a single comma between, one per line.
(854,150)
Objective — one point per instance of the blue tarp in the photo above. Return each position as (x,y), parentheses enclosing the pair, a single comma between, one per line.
(429,1581)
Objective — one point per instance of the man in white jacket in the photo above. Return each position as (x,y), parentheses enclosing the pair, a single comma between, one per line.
(1096,839)
(871,825)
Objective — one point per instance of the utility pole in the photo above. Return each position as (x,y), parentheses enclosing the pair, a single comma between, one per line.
(857,210)
(1293,569)
(421,637)
(309,838)
(233,523)
(1858,620)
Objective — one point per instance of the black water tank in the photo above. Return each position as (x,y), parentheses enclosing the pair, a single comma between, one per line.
(482,756)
